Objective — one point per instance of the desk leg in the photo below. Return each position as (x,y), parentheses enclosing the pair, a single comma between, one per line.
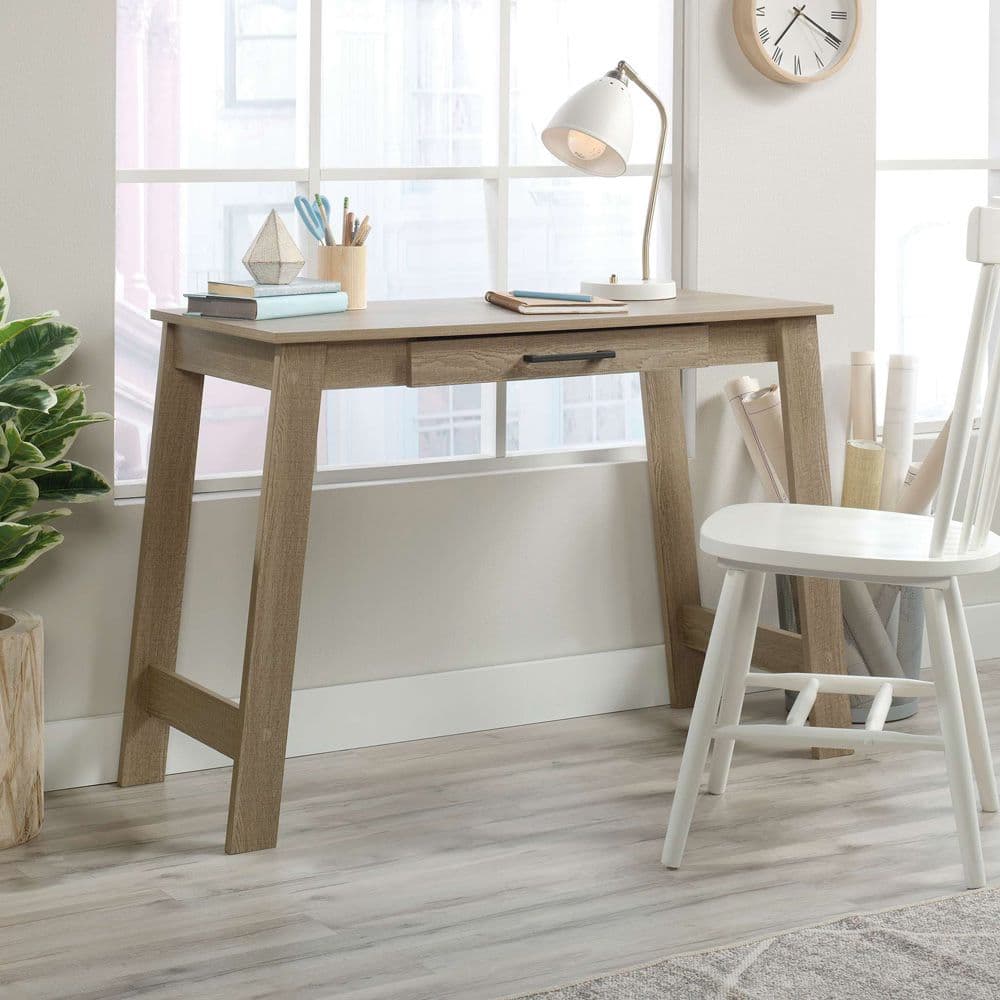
(673,525)
(275,593)
(159,588)
(820,616)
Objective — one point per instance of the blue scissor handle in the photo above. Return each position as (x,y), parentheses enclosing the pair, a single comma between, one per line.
(310,216)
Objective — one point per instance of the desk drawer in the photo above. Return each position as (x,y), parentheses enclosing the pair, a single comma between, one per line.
(456,360)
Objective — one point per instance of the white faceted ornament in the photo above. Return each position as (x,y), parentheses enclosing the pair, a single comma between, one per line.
(273,257)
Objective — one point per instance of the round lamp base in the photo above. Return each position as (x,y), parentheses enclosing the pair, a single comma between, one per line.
(630,291)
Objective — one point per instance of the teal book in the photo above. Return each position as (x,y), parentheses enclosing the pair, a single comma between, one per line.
(272,307)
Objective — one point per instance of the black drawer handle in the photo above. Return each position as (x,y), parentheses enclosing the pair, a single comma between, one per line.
(541,359)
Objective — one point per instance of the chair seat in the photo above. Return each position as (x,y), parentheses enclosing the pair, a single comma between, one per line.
(840,542)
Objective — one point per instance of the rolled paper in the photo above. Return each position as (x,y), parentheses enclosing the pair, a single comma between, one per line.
(863,463)
(869,633)
(862,414)
(919,490)
(917,496)
(788,614)
(910,641)
(897,427)
(763,409)
(736,390)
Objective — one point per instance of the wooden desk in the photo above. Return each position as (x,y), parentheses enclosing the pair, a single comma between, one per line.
(435,342)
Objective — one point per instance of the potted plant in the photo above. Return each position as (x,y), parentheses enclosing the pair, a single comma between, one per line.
(38,425)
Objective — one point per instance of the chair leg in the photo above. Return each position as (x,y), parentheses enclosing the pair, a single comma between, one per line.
(735,684)
(703,717)
(972,702)
(956,747)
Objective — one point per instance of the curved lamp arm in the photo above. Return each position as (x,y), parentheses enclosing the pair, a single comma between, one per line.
(624,72)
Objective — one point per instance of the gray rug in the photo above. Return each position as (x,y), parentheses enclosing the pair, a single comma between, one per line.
(945,950)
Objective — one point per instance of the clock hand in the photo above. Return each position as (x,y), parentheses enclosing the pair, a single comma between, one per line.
(798,11)
(829,34)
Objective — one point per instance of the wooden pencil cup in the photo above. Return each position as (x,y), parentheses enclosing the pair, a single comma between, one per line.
(349,266)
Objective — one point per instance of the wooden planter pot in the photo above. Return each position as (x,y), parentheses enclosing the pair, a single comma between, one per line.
(21,727)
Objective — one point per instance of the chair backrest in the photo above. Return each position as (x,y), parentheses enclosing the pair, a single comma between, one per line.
(984,483)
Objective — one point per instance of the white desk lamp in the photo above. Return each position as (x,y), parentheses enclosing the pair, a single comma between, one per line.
(592,132)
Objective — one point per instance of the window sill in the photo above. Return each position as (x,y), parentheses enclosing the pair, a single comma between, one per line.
(220,486)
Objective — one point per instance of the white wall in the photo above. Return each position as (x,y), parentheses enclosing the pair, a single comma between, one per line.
(423,577)
(786,207)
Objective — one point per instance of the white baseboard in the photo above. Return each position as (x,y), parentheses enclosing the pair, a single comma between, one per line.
(85,751)
(984,628)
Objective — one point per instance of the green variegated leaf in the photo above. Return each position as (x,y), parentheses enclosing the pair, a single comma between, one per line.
(26,394)
(45,516)
(10,566)
(4,298)
(54,440)
(4,451)
(36,350)
(13,328)
(13,538)
(17,496)
(79,483)
(21,452)
(71,404)
(33,471)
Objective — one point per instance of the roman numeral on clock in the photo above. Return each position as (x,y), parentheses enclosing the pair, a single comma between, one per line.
(819,62)
(838,15)
(832,39)
(798,66)
(760,11)
(765,34)
(777,56)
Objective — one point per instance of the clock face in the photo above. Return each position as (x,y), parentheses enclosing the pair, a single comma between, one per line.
(804,40)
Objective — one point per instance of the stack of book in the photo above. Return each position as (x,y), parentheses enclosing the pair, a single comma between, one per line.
(553,303)
(250,300)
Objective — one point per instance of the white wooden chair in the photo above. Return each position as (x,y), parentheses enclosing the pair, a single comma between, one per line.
(874,547)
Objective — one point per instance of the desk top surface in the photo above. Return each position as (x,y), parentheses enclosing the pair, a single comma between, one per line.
(434,318)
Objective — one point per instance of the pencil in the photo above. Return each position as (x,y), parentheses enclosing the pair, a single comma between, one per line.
(344,233)
(359,229)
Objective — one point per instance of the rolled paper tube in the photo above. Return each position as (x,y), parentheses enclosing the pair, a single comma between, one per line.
(863,463)
(866,626)
(735,390)
(788,614)
(763,409)
(863,395)
(855,664)
(910,642)
(919,491)
(897,427)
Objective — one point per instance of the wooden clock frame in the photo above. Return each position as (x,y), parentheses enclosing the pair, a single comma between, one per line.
(744,23)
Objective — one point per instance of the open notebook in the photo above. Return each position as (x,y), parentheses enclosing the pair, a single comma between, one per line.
(553,307)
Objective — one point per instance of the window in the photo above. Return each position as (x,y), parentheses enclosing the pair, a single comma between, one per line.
(427,114)
(938,142)
(260,53)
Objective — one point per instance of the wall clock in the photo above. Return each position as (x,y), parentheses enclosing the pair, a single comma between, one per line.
(797,42)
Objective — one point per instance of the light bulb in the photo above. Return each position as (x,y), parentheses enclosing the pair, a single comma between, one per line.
(583,146)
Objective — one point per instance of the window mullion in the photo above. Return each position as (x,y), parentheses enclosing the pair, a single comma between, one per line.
(501,278)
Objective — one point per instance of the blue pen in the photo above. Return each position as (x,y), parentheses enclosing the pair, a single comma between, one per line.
(563,297)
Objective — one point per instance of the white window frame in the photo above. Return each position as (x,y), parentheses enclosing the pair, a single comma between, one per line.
(308,181)
(991,164)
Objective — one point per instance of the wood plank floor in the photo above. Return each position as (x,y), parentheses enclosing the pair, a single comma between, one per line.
(466,867)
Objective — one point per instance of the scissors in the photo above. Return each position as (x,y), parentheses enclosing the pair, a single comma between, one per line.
(309,214)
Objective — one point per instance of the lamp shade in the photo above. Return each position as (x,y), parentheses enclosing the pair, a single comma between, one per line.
(592,131)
